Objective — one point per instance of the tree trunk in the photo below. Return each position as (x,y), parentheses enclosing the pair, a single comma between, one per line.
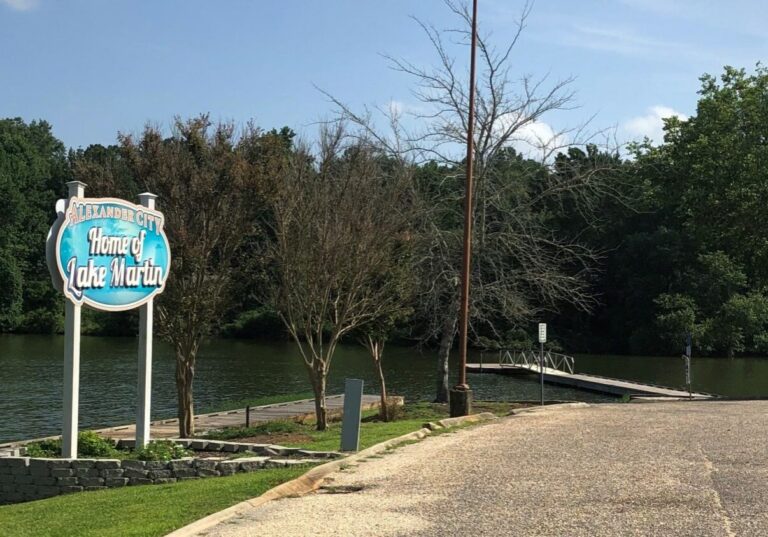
(185,374)
(444,353)
(317,376)
(384,410)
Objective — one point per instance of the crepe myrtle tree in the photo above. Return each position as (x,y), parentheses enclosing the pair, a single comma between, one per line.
(396,287)
(337,225)
(206,179)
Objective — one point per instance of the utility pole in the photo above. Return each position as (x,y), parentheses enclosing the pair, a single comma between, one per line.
(461,395)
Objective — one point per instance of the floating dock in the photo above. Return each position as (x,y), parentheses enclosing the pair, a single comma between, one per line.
(586,382)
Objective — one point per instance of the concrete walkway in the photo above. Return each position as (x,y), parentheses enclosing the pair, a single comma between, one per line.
(662,469)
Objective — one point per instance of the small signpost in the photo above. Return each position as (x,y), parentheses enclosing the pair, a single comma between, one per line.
(353,408)
(542,341)
(687,360)
(111,255)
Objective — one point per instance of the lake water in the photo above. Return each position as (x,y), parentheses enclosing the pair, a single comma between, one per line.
(31,374)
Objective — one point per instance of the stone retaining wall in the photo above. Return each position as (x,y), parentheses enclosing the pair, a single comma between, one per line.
(26,478)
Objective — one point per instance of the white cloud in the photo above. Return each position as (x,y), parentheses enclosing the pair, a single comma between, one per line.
(537,140)
(401,108)
(651,124)
(21,5)
(627,42)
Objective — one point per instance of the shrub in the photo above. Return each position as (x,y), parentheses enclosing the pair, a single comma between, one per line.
(89,444)
(394,410)
(161,450)
(44,448)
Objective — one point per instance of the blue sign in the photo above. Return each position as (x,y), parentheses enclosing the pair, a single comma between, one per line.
(111,254)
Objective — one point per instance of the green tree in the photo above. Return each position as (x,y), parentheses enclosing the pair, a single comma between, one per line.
(705,227)
(33,170)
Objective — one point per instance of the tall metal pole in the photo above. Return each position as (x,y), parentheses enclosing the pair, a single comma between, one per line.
(466,261)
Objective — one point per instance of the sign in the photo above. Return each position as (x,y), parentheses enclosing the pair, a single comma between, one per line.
(542,332)
(111,254)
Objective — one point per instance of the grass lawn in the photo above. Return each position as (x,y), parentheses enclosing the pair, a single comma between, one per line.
(142,511)
(372,431)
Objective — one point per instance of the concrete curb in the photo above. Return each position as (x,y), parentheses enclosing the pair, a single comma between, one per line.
(312,480)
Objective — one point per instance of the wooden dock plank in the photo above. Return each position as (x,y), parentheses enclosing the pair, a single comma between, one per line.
(587,382)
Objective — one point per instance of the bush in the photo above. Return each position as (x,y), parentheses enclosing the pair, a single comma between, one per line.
(89,444)
(161,450)
(394,410)
(44,449)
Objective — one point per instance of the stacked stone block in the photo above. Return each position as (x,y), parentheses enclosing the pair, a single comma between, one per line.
(26,478)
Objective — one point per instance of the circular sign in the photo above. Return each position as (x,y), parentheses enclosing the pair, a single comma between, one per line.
(111,254)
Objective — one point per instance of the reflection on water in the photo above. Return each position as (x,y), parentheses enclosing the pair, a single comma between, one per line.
(227,370)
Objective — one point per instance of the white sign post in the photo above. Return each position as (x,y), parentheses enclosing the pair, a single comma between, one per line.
(146,316)
(71,358)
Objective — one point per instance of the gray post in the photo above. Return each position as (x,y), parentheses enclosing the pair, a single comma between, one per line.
(353,407)
(71,358)
(144,389)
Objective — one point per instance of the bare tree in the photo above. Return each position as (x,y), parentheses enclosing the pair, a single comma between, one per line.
(337,226)
(522,264)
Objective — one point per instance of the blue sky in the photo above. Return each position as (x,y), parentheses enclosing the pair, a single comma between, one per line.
(95,67)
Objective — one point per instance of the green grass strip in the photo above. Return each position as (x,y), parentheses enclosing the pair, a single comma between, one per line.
(141,511)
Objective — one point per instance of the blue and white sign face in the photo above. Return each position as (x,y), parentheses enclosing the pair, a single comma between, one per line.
(112,255)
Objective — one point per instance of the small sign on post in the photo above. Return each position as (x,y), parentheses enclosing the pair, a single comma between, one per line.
(542,332)
(353,408)
(687,359)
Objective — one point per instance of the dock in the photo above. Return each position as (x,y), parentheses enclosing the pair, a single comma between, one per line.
(169,428)
(585,382)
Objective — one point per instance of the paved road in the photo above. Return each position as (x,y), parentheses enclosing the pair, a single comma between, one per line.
(657,469)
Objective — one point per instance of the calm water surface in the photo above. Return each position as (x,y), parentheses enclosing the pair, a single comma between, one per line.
(230,370)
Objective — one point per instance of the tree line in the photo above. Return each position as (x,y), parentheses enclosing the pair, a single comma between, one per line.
(682,251)
(357,237)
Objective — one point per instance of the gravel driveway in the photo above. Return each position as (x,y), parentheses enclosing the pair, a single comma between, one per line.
(665,469)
